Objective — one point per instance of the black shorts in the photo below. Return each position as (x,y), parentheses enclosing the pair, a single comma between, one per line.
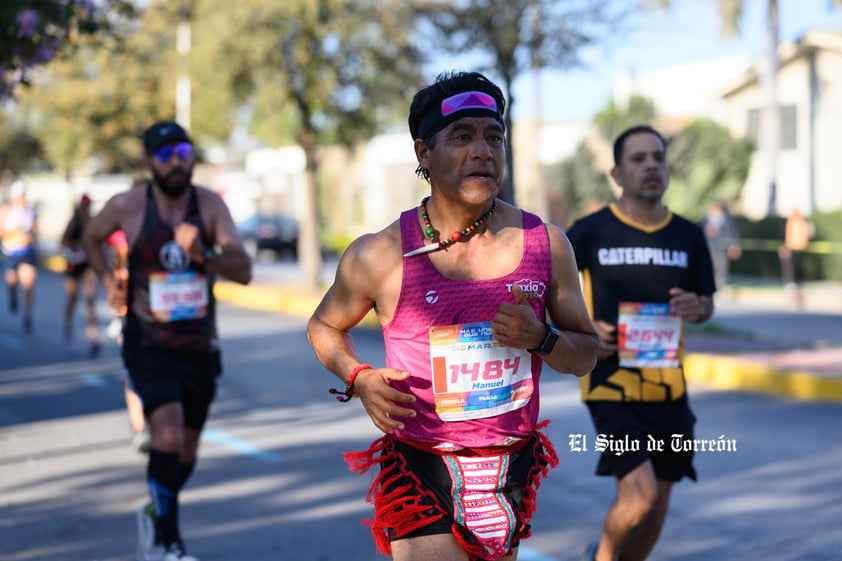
(75,270)
(189,377)
(629,430)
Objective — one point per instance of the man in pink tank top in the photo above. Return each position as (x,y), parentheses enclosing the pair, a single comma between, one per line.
(474,295)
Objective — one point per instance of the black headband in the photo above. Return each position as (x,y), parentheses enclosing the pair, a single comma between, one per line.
(455,107)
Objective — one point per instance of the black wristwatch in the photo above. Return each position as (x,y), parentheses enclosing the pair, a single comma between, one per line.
(207,255)
(549,341)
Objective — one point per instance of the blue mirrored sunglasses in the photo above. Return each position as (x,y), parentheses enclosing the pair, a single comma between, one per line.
(183,150)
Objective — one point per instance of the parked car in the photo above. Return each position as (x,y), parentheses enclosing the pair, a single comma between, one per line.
(277,233)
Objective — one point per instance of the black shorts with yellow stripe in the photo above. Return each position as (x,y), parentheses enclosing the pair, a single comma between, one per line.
(631,432)
(633,384)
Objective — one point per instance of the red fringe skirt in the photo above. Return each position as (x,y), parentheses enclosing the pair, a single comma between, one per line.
(407,498)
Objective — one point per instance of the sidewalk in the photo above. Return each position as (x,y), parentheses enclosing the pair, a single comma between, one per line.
(757,341)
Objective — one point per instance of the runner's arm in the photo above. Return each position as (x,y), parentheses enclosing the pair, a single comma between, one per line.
(352,295)
(575,352)
(229,259)
(98,229)
(108,220)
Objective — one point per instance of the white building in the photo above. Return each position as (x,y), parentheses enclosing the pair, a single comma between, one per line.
(809,91)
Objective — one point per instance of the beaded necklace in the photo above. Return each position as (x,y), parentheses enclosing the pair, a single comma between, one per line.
(457,235)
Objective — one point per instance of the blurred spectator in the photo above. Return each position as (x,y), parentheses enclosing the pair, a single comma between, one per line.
(723,239)
(796,238)
(78,273)
(18,231)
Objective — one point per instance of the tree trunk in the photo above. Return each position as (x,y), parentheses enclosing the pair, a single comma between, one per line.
(309,247)
(508,191)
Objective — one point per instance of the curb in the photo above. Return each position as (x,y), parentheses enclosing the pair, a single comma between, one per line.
(267,298)
(729,373)
(295,301)
(716,371)
(720,372)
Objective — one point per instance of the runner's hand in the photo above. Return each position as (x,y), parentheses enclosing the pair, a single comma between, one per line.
(607,339)
(381,400)
(516,325)
(687,305)
(117,292)
(186,236)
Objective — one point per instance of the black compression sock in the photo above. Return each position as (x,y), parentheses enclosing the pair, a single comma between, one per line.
(163,478)
(184,473)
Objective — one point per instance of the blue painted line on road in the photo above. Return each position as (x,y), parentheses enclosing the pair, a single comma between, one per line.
(94,381)
(526,554)
(11,342)
(240,446)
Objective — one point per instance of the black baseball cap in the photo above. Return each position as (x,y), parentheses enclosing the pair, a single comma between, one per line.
(163,132)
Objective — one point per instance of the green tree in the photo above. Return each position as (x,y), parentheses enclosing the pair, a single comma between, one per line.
(19,150)
(312,73)
(34,32)
(36,36)
(580,184)
(516,36)
(615,118)
(326,71)
(706,163)
(582,180)
(93,105)
(731,15)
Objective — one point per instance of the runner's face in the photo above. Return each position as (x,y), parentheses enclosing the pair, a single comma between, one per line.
(468,159)
(174,175)
(643,172)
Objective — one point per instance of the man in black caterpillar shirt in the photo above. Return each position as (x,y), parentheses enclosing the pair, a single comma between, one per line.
(645,271)
(180,236)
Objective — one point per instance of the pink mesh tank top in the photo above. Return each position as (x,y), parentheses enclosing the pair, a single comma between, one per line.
(471,392)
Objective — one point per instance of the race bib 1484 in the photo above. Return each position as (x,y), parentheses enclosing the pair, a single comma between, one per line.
(474,376)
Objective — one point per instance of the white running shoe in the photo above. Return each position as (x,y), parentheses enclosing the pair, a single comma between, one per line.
(115,328)
(176,552)
(147,550)
(141,441)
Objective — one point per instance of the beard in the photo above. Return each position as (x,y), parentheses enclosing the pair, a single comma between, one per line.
(650,197)
(175,183)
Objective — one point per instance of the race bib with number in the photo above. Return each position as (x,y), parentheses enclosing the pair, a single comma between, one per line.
(178,296)
(474,376)
(648,335)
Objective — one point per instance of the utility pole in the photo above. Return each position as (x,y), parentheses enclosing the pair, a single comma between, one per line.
(770,133)
(182,86)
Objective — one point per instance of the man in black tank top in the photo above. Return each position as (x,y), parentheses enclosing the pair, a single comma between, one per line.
(180,237)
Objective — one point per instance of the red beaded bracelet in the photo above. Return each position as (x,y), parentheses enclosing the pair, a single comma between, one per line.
(348,392)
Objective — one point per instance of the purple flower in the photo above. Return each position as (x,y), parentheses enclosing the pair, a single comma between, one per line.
(46,50)
(27,21)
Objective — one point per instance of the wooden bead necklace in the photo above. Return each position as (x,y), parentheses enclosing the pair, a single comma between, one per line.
(457,235)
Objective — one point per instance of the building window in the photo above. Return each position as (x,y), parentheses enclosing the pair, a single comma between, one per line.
(787,121)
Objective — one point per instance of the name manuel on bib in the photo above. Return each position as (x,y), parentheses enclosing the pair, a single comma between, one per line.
(486,385)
